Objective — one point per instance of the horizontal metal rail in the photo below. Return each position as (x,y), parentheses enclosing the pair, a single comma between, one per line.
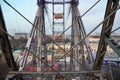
(55,73)
(64,2)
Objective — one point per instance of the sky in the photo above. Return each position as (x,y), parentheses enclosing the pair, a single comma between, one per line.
(28,8)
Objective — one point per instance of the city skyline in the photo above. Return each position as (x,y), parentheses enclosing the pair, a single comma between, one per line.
(29,8)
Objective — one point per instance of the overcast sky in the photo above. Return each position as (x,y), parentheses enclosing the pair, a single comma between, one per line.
(28,8)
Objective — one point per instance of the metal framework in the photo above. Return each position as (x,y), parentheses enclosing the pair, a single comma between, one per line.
(78,67)
(79,33)
(37,31)
(5,44)
(106,32)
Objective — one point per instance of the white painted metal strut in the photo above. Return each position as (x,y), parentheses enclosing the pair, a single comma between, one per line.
(38,23)
(26,52)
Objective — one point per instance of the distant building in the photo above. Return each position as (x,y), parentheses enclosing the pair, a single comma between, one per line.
(20,35)
(94,41)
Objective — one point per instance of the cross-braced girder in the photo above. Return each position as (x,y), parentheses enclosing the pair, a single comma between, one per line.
(106,32)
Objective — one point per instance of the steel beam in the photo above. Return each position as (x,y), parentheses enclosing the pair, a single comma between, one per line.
(5,44)
(114,45)
(106,31)
(79,33)
(64,73)
(58,2)
(36,33)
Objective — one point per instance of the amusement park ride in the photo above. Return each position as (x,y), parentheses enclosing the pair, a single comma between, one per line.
(78,67)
